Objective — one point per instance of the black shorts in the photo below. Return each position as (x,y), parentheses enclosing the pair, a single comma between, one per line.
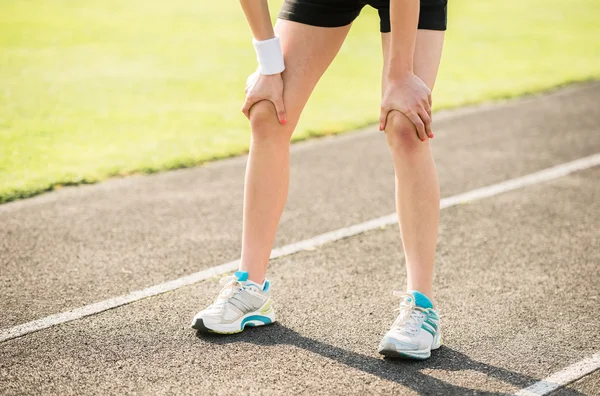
(335,13)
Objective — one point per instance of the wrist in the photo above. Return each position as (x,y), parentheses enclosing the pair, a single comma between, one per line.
(399,73)
(269,56)
(399,66)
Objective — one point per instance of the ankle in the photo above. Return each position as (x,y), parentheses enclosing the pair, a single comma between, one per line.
(258,277)
(257,283)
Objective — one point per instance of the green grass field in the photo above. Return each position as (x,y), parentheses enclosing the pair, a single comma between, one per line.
(98,88)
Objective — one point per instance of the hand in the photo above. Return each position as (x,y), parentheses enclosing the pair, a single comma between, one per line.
(260,87)
(410,96)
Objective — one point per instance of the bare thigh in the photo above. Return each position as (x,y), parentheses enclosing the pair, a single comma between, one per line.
(428,53)
(308,51)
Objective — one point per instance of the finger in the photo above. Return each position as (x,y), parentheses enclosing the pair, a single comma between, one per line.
(426,118)
(247,105)
(414,117)
(428,110)
(383,118)
(280,108)
(429,131)
(429,122)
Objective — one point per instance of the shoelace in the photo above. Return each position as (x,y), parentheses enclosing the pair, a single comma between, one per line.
(232,286)
(411,317)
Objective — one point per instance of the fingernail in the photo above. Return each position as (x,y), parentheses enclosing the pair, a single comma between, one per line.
(424,139)
(431,135)
(380,127)
(284,121)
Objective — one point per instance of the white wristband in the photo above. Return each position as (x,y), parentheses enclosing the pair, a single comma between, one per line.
(270,57)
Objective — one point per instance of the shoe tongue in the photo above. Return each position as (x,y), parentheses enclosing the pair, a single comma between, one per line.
(242,276)
(421,300)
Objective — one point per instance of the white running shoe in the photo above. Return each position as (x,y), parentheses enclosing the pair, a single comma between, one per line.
(416,331)
(241,303)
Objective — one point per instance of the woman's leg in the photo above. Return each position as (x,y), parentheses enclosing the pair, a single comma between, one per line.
(417,187)
(308,52)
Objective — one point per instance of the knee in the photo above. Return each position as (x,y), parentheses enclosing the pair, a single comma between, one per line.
(401,134)
(265,124)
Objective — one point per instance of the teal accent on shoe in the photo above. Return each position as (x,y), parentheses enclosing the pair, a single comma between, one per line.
(260,318)
(431,323)
(242,276)
(414,356)
(421,300)
(428,329)
(267,285)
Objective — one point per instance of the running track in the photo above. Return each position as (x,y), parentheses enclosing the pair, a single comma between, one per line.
(517,272)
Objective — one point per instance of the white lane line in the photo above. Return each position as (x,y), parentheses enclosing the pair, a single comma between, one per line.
(562,378)
(307,244)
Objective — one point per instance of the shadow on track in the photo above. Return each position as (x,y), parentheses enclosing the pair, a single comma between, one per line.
(405,372)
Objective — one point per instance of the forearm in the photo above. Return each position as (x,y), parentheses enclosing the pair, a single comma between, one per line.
(259,19)
(267,46)
(404,18)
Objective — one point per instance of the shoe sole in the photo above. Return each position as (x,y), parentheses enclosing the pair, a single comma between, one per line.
(201,327)
(389,350)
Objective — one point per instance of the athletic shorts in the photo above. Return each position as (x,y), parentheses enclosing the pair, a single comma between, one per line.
(335,13)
